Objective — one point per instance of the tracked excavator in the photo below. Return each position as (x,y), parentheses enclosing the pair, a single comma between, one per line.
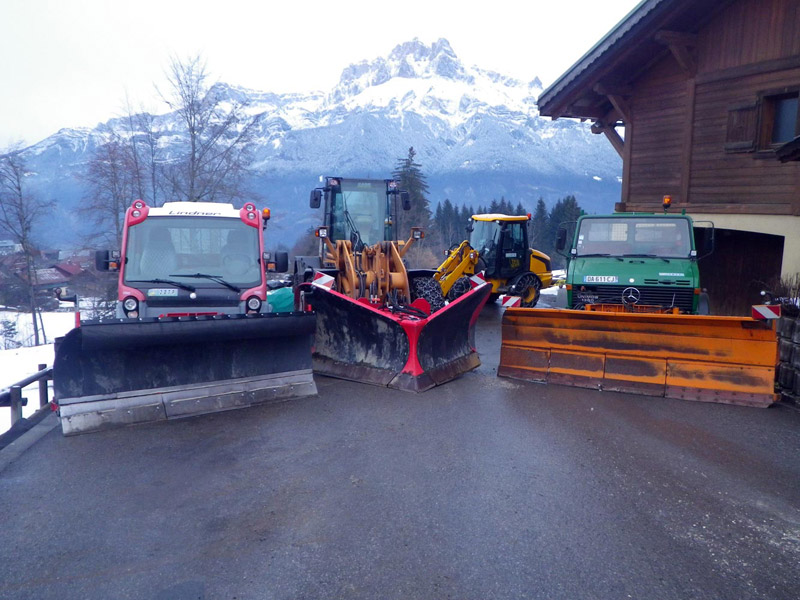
(497,247)
(637,319)
(378,321)
(194,332)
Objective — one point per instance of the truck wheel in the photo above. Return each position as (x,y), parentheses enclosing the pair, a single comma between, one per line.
(530,285)
(460,287)
(429,289)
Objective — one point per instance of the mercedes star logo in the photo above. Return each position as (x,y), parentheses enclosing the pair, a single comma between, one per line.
(631,295)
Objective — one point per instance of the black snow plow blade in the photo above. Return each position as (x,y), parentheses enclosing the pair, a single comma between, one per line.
(359,342)
(112,373)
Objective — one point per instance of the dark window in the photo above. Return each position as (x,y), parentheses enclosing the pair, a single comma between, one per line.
(784,126)
(779,119)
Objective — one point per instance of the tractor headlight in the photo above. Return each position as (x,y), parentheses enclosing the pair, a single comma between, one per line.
(131,307)
(253,304)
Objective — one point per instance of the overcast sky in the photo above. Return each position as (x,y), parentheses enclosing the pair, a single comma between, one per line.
(72,63)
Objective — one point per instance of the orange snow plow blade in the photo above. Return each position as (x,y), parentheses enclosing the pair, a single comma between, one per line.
(711,359)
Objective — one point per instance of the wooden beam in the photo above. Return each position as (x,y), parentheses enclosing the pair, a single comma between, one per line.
(676,38)
(688,134)
(604,88)
(612,135)
(616,95)
(585,112)
(679,44)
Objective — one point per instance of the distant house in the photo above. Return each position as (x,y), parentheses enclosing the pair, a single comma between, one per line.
(9,247)
(700,98)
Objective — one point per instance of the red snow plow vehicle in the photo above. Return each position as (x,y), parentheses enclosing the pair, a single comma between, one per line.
(194,332)
(378,321)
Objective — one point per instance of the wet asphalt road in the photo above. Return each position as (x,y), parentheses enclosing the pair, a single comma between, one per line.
(482,488)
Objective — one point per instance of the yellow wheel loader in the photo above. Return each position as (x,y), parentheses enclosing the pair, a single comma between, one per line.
(378,321)
(497,246)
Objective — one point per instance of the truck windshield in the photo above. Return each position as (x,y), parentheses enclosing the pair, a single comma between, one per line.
(360,206)
(660,237)
(165,247)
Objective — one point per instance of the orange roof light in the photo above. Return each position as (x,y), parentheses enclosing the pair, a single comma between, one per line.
(265,214)
(667,202)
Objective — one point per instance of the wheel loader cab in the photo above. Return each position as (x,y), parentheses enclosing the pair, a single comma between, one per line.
(363,211)
(501,244)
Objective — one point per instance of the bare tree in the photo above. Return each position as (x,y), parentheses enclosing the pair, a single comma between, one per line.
(219,136)
(146,160)
(113,177)
(19,212)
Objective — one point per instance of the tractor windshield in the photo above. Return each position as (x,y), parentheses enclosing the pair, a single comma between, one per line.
(360,208)
(660,237)
(168,247)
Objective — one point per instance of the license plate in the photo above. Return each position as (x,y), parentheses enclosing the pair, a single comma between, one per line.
(600,279)
(163,292)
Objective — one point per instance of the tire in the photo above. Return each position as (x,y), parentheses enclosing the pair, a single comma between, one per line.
(530,285)
(492,298)
(429,289)
(460,287)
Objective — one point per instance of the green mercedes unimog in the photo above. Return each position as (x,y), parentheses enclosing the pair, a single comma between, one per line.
(635,261)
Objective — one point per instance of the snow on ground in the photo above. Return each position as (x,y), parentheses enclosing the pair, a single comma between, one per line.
(18,363)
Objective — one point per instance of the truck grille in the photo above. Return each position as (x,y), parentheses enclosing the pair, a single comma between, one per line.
(657,296)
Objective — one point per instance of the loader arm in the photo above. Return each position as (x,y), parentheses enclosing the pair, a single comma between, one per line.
(460,261)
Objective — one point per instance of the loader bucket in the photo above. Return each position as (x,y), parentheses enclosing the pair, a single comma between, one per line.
(360,342)
(107,374)
(711,359)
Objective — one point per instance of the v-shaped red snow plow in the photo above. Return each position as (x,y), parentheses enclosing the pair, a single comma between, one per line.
(391,345)
(377,321)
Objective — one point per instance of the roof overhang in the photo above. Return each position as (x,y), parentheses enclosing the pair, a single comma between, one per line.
(597,85)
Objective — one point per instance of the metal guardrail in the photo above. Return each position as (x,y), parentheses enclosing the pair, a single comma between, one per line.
(12,396)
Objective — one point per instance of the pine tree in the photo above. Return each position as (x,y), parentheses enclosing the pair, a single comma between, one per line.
(539,227)
(409,174)
(565,211)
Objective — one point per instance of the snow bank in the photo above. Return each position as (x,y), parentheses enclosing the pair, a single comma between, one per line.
(18,363)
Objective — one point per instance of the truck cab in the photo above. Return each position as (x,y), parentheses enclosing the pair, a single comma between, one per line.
(634,261)
(191,258)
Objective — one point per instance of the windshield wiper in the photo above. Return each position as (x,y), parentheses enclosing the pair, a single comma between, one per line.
(217,278)
(178,284)
(594,254)
(645,256)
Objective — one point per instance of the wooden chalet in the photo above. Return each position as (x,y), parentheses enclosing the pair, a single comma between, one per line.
(700,98)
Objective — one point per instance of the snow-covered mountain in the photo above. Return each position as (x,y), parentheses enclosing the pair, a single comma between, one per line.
(477,133)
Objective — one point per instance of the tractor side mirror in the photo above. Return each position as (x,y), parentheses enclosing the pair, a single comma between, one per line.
(282,262)
(405,199)
(316,198)
(101,260)
(708,246)
(105,260)
(561,239)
